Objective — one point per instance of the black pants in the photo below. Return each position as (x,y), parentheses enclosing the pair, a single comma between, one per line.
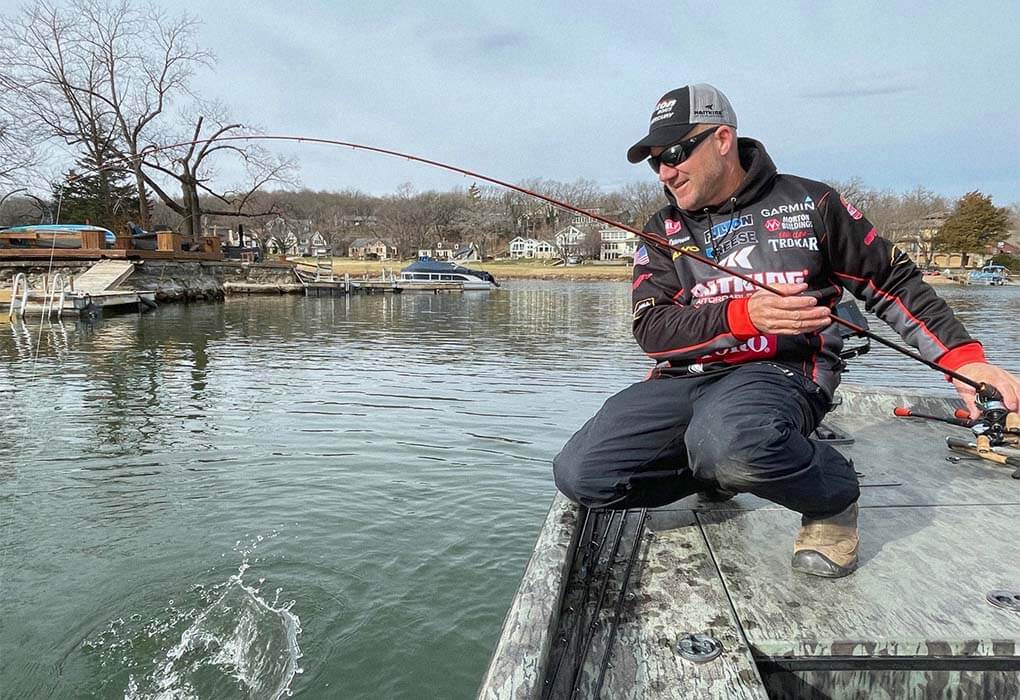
(744,430)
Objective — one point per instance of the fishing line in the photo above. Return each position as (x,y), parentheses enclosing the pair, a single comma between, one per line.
(6,526)
(982,388)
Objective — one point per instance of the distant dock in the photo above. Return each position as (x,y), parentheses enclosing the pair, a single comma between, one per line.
(321,281)
(55,282)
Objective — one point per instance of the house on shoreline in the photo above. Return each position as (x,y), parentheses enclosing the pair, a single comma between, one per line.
(917,239)
(372,248)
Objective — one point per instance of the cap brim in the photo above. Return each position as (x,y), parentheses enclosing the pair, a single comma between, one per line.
(664,136)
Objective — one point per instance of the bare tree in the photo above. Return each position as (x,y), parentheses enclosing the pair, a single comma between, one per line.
(482,220)
(643,199)
(189,167)
(52,66)
(147,59)
(17,151)
(410,219)
(101,75)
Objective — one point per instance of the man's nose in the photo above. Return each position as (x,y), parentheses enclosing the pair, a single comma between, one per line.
(666,173)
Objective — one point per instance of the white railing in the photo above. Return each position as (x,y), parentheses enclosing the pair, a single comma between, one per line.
(55,296)
(324,271)
(20,282)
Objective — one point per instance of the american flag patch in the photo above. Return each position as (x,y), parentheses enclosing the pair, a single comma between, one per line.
(641,256)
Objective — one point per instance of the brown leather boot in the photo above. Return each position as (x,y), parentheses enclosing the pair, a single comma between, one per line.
(828,547)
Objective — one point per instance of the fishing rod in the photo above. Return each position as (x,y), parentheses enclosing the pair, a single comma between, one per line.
(987,394)
(960,416)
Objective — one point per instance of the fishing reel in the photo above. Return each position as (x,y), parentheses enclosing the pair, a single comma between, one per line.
(849,311)
(997,428)
(998,423)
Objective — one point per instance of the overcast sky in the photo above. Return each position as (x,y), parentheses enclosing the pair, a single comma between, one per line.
(898,94)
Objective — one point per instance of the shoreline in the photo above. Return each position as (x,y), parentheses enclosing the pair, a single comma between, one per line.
(506,270)
(501,270)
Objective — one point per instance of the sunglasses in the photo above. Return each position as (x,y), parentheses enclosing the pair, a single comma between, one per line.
(679,152)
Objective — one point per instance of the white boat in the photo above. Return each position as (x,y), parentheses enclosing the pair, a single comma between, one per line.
(994,275)
(427,273)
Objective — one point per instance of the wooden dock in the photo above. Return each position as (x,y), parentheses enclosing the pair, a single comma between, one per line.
(91,291)
(103,276)
(77,303)
(933,611)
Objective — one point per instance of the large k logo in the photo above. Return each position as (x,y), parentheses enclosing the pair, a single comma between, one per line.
(738,258)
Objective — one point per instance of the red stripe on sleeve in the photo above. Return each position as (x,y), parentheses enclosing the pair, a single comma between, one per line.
(963,355)
(739,319)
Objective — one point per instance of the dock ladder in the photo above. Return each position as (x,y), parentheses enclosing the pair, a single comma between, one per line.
(53,300)
(53,296)
(20,283)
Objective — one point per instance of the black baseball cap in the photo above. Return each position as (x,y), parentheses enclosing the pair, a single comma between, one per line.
(679,111)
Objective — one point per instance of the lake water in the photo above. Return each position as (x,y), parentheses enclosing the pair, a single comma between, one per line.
(335,497)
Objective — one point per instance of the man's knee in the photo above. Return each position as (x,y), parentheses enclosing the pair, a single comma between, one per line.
(775,462)
(737,459)
(581,480)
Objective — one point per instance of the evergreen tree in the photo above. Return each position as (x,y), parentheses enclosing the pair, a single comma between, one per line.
(974,224)
(97,194)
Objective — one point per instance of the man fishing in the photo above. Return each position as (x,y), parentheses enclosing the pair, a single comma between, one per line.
(744,375)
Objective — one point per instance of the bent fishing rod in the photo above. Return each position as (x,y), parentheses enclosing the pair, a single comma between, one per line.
(986,392)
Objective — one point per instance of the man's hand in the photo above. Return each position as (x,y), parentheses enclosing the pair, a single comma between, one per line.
(790,315)
(989,374)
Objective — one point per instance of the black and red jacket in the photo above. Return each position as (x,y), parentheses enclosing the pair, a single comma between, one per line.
(779,229)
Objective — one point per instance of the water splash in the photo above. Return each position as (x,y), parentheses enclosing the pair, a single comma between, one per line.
(235,643)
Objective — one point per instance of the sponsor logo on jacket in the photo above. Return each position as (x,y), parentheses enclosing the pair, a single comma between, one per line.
(725,227)
(791,208)
(759,347)
(642,306)
(691,248)
(853,211)
(738,258)
(713,291)
(797,221)
(673,226)
(784,240)
(722,247)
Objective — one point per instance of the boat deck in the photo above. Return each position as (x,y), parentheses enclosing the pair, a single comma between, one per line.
(916,620)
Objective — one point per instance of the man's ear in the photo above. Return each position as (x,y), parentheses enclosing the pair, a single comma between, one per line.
(727,137)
